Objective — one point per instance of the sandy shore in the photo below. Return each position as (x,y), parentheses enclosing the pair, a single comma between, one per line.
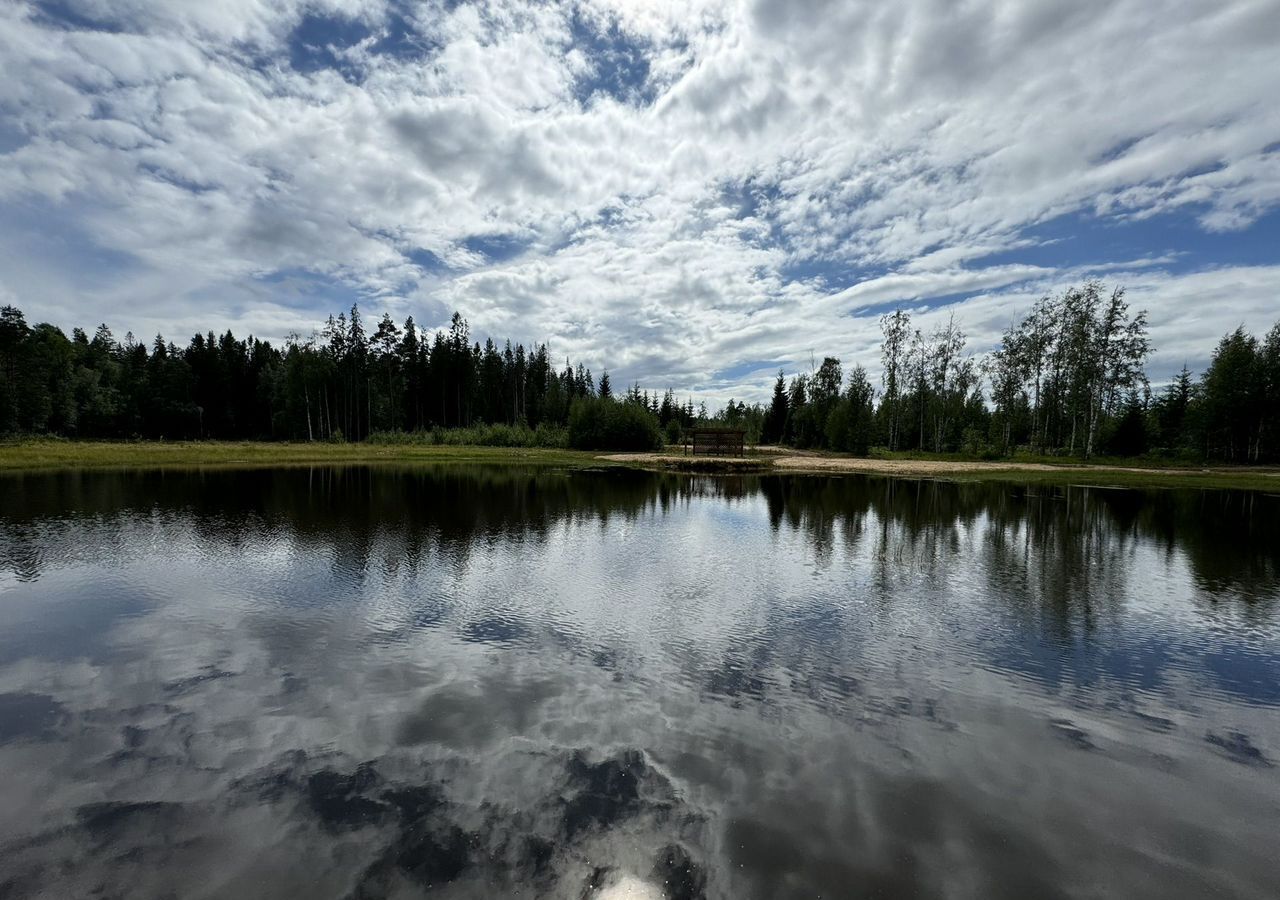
(52,455)
(934,466)
(781,459)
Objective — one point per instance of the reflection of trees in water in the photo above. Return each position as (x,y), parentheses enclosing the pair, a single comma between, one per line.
(1057,561)
(1231,538)
(1065,549)
(1061,556)
(348,514)
(818,508)
(1067,546)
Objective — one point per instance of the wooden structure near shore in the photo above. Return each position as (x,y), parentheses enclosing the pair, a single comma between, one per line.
(715,441)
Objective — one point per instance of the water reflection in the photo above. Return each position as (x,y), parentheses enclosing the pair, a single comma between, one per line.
(507,682)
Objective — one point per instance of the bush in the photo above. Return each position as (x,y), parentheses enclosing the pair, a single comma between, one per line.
(546,436)
(606,424)
(673,432)
(974,443)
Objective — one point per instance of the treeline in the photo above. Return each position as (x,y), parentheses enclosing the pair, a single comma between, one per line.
(1068,379)
(343,383)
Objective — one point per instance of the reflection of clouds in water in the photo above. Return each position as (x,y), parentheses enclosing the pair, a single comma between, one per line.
(628,887)
(871,694)
(465,716)
(556,820)
(24,715)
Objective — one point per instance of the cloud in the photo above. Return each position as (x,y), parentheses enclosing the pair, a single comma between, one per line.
(678,188)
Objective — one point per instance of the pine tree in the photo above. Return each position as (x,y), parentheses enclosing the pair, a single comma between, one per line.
(776,419)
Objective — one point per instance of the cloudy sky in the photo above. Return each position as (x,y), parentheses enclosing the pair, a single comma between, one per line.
(691,192)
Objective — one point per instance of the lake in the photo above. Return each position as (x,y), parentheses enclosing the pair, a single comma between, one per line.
(493,682)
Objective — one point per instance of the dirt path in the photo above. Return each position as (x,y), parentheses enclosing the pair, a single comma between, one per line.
(934,466)
(784,459)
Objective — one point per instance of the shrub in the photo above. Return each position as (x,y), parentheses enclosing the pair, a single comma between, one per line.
(546,436)
(673,432)
(597,423)
(974,443)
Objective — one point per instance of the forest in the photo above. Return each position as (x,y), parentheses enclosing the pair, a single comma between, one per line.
(1069,379)
(342,384)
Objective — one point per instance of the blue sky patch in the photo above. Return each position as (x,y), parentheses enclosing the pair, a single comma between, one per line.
(748,367)
(66,16)
(11,138)
(318,41)
(496,248)
(426,260)
(620,65)
(305,290)
(680,196)
(1081,239)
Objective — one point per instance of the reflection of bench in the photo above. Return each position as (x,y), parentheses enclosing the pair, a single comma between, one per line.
(715,441)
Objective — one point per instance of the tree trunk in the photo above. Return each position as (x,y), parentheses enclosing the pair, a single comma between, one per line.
(307,393)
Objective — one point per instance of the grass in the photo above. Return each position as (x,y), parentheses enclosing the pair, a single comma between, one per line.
(59,454)
(54,454)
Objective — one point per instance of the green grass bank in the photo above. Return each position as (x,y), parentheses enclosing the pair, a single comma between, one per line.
(57,454)
(54,454)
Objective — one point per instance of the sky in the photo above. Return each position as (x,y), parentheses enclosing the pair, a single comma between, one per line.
(692,194)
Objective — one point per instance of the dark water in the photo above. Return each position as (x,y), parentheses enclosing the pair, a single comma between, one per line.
(490,683)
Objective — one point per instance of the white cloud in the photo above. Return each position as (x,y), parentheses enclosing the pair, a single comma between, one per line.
(799,162)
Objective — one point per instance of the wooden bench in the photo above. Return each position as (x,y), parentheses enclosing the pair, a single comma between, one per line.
(715,441)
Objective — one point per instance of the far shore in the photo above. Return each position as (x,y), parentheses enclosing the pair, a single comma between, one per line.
(51,455)
(786,460)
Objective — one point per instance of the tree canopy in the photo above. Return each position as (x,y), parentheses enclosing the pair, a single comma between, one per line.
(1068,378)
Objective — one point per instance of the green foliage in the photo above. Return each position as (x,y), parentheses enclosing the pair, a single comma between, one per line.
(342,384)
(850,425)
(1232,403)
(739,415)
(1127,435)
(975,445)
(1061,376)
(672,433)
(597,423)
(545,436)
(775,421)
(1066,381)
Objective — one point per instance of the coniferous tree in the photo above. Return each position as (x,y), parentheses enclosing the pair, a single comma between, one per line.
(1068,378)
(775,422)
(1231,399)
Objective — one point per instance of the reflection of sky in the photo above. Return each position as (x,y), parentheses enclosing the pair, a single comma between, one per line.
(847,698)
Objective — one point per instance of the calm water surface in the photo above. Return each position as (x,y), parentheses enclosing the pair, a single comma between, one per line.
(495,682)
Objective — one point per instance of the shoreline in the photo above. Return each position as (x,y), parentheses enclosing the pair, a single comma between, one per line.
(34,456)
(55,455)
(785,461)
